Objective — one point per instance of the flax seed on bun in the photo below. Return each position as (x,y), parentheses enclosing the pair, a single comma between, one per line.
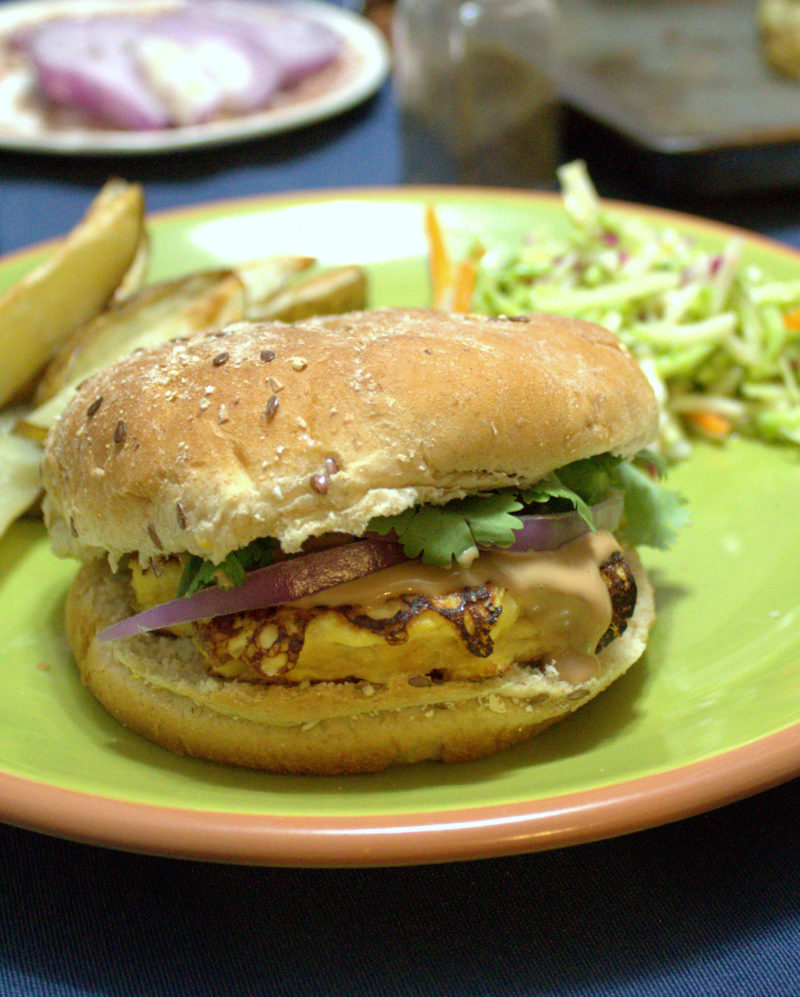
(296,432)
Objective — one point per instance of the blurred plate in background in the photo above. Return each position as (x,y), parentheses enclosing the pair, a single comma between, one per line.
(357,75)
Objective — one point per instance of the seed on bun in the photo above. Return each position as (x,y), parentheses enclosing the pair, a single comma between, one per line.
(359,540)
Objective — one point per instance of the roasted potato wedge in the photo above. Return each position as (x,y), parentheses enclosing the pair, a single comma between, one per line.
(341,289)
(263,279)
(29,431)
(131,312)
(89,303)
(72,286)
(19,472)
(158,313)
(135,276)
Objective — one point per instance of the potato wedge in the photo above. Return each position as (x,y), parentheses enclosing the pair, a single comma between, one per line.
(19,472)
(29,431)
(341,289)
(135,276)
(265,278)
(158,313)
(40,311)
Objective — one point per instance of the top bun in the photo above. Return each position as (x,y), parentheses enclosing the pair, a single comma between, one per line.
(292,431)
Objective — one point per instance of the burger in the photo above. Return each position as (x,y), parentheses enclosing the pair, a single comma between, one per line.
(360,540)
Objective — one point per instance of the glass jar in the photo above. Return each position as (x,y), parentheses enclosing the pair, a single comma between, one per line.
(476,81)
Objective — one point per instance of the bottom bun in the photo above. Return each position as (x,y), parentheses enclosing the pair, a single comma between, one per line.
(158,687)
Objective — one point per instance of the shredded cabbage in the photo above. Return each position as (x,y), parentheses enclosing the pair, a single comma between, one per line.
(718,340)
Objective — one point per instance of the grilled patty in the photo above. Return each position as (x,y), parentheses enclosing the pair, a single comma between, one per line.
(472,633)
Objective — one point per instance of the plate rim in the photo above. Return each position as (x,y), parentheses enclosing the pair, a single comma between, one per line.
(418,838)
(413,837)
(363,36)
(420,193)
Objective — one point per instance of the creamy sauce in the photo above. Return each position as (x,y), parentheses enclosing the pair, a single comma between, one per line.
(571,567)
(577,668)
(541,610)
(561,591)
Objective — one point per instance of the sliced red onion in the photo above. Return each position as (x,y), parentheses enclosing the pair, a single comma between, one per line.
(299,45)
(86,64)
(187,65)
(270,586)
(309,573)
(551,530)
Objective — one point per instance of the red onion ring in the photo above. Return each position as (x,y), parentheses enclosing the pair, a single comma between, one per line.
(270,586)
(550,530)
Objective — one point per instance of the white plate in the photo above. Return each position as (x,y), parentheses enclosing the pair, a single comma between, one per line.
(363,69)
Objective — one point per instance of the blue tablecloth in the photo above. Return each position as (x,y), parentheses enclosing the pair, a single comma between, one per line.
(707,906)
(40,196)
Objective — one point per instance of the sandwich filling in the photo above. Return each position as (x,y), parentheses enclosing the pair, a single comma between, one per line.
(467,591)
(552,609)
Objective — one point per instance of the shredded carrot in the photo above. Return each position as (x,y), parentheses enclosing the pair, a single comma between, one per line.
(439,259)
(791,319)
(710,424)
(463,286)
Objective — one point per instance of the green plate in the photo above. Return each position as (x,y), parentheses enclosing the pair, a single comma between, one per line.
(710,714)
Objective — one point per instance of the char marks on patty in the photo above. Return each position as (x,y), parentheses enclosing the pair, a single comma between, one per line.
(265,645)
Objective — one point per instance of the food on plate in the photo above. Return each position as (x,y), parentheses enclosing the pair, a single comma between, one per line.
(89,304)
(264,278)
(39,312)
(153,315)
(452,284)
(360,540)
(718,339)
(159,312)
(337,289)
(162,65)
(779,28)
(177,308)
(19,472)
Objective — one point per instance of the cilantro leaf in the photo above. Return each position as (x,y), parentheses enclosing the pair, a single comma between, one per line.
(198,573)
(591,479)
(491,517)
(552,487)
(441,534)
(653,513)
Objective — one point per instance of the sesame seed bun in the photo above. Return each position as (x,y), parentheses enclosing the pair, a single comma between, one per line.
(292,431)
(296,431)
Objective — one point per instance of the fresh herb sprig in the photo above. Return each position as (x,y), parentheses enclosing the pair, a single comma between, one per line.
(198,573)
(443,534)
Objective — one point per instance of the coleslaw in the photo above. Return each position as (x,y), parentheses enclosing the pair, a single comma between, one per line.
(719,340)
